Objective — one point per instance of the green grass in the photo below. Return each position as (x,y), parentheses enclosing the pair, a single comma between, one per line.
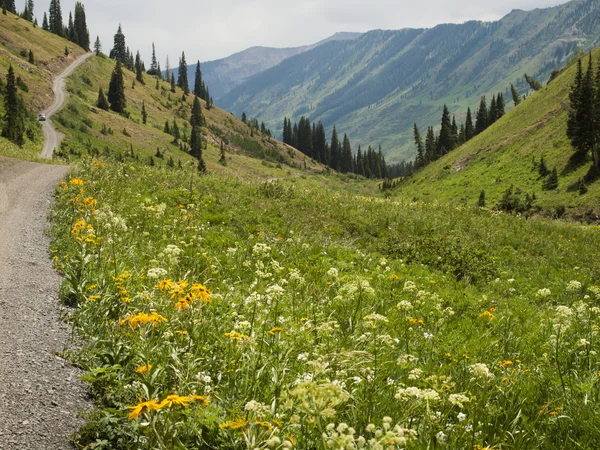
(503,156)
(317,297)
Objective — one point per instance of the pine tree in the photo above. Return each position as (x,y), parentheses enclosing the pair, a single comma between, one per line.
(445,140)
(430,146)
(420,161)
(209,100)
(139,69)
(543,169)
(4,11)
(223,158)
(481,201)
(80,25)
(97,46)
(196,118)
(116,90)
(201,166)
(469,128)
(244,119)
(534,84)
(175,131)
(500,107)
(182,78)
(196,142)
(481,122)
(515,95)
(346,162)
(102,103)
(335,150)
(10,5)
(31,58)
(30,6)
(71,29)
(153,63)
(551,183)
(454,130)
(119,51)
(493,112)
(55,20)
(14,120)
(320,144)
(173,83)
(167,128)
(198,84)
(45,25)
(144,114)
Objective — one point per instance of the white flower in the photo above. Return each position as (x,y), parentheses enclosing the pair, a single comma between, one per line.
(458,400)
(261,250)
(441,437)
(257,408)
(481,371)
(415,374)
(545,292)
(461,417)
(404,305)
(410,286)
(333,272)
(573,286)
(156,273)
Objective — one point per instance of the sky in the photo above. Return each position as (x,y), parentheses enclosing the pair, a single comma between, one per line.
(209,30)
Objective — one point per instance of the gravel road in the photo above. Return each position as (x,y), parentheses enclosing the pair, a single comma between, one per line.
(53,138)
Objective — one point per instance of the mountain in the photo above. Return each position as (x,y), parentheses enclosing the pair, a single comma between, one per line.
(376,86)
(508,154)
(225,74)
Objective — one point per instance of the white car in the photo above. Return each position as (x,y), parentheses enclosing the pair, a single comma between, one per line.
(42,117)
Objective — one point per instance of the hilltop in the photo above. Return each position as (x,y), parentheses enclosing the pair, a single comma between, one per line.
(374,88)
(509,153)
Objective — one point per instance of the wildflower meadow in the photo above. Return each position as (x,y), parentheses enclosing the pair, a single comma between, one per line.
(217,313)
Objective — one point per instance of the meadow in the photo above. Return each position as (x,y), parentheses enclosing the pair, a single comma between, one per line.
(230,314)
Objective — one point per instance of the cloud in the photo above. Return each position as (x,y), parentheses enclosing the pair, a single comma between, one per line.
(208,30)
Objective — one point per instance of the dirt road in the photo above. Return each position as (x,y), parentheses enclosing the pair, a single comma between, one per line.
(39,392)
(53,138)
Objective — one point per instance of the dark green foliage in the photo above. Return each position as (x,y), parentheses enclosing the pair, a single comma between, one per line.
(445,142)
(31,58)
(199,88)
(116,90)
(10,6)
(4,11)
(144,114)
(466,261)
(481,121)
(175,131)
(196,142)
(82,35)
(173,83)
(534,84)
(201,166)
(55,20)
(543,169)
(551,183)
(102,103)
(139,68)
(244,119)
(222,158)
(182,78)
(581,187)
(167,128)
(66,51)
(45,25)
(153,63)
(119,51)
(514,203)
(21,84)
(14,111)
(515,95)
(196,118)
(420,161)
(97,46)
(481,201)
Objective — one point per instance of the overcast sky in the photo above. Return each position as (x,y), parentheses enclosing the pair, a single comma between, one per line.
(208,30)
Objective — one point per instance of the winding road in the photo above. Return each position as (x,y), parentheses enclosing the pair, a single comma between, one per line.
(40,395)
(53,138)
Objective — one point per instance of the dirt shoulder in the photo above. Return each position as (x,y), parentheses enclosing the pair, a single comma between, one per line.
(39,392)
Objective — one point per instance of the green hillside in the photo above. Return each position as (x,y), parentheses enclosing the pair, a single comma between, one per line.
(90,129)
(504,156)
(376,86)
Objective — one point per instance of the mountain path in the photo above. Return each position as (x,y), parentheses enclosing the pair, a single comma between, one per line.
(53,138)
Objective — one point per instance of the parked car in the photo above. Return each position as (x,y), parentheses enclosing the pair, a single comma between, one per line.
(42,117)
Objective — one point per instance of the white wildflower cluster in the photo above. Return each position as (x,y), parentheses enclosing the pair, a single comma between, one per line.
(404,306)
(107,219)
(410,286)
(156,273)
(544,292)
(595,290)
(407,359)
(296,277)
(414,393)
(481,372)
(458,400)
(415,374)
(258,409)
(355,288)
(253,299)
(562,319)
(261,270)
(261,250)
(171,254)
(344,437)
(333,273)
(158,210)
(573,286)
(242,325)
(275,291)
(375,320)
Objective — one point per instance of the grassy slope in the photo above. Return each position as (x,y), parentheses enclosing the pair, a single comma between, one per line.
(49,53)
(503,155)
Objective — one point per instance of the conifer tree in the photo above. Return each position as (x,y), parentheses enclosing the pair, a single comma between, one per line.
(551,183)
(167,128)
(500,107)
(97,46)
(493,112)
(244,119)
(14,118)
(469,128)
(139,69)
(119,51)
(45,25)
(4,11)
(534,84)
(481,201)
(31,58)
(209,100)
(582,120)
(575,110)
(154,63)
(102,103)
(55,20)
(80,25)
(223,158)
(175,131)
(196,142)
(30,6)
(10,6)
(116,90)
(481,122)
(144,113)
(335,150)
(196,118)
(182,78)
(173,82)
(198,84)
(543,169)
(201,166)
(454,130)
(346,163)
(420,160)
(515,95)
(445,140)
(430,145)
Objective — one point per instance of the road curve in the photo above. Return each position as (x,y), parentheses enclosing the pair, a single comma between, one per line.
(53,138)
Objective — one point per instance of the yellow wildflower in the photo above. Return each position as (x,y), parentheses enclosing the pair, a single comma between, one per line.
(235,424)
(200,399)
(235,336)
(93,298)
(76,182)
(174,399)
(143,318)
(144,369)
(201,292)
(275,330)
(78,227)
(165,285)
(150,405)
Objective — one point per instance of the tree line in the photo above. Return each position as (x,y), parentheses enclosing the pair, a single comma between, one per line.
(76,29)
(310,139)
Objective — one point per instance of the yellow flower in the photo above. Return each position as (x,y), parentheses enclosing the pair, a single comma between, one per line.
(235,336)
(201,292)
(235,424)
(78,227)
(90,203)
(487,314)
(174,399)
(76,182)
(143,318)
(144,369)
(93,298)
(165,285)
(275,330)
(200,399)
(150,405)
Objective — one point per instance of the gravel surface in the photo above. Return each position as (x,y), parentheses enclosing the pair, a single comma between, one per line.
(40,395)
